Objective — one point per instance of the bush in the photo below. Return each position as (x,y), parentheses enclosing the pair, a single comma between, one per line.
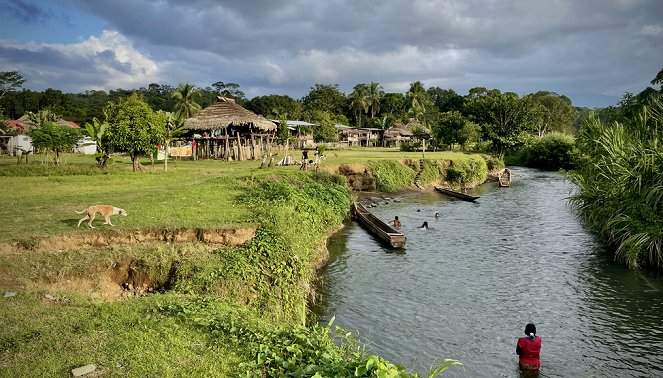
(468,172)
(494,164)
(553,151)
(391,176)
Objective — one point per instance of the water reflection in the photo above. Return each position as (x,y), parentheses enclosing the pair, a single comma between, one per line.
(466,287)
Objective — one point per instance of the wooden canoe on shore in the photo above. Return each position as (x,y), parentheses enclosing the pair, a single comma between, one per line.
(505,178)
(378,228)
(459,195)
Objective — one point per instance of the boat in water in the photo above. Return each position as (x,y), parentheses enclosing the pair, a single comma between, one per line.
(459,195)
(378,228)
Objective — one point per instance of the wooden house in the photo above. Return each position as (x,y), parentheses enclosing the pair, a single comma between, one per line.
(228,131)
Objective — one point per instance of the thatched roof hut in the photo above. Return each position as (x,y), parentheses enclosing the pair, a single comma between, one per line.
(225,112)
(406,130)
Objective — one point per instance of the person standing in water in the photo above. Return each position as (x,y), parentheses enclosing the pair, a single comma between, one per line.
(528,349)
(395,222)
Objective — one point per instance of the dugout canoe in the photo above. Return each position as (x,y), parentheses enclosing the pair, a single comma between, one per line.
(378,228)
(459,195)
(505,178)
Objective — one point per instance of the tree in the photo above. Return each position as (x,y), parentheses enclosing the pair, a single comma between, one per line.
(42,117)
(418,101)
(445,100)
(96,131)
(10,81)
(557,112)
(502,117)
(326,129)
(172,128)
(374,93)
(185,95)
(359,101)
(273,105)
(133,128)
(449,128)
(394,104)
(326,98)
(230,90)
(658,79)
(54,137)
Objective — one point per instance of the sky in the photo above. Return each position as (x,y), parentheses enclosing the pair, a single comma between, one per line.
(592,51)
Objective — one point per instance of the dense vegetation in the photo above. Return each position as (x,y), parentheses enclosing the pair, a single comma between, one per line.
(553,151)
(488,118)
(621,183)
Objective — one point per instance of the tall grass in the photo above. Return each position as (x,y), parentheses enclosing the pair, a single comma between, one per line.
(621,184)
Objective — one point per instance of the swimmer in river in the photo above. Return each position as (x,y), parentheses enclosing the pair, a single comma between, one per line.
(437,215)
(395,222)
(424,226)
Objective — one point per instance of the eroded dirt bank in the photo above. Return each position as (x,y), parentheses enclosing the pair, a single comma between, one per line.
(214,237)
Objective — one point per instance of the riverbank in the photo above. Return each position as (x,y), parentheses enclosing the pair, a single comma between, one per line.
(182,294)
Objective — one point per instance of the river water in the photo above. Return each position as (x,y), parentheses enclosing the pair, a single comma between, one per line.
(466,287)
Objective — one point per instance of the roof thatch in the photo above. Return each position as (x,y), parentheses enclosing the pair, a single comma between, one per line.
(225,112)
(401,130)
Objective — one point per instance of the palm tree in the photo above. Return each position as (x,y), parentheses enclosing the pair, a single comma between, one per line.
(374,93)
(359,100)
(418,101)
(186,95)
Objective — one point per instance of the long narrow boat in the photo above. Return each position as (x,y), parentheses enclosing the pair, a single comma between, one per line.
(459,195)
(505,178)
(377,227)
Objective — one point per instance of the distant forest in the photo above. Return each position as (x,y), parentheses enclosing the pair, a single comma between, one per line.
(366,106)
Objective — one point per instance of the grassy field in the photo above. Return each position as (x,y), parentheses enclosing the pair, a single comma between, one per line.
(191,194)
(215,307)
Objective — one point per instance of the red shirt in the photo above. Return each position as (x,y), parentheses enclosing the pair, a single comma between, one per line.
(529,350)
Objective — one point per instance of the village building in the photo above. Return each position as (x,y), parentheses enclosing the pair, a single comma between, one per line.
(359,136)
(19,142)
(226,130)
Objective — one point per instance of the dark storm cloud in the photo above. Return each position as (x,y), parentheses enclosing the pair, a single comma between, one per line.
(24,11)
(599,48)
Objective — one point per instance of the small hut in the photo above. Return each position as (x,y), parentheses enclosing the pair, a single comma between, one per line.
(227,130)
(400,133)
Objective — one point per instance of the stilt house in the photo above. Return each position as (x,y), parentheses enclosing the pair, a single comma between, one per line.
(225,130)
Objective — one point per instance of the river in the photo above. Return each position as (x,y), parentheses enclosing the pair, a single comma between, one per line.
(466,287)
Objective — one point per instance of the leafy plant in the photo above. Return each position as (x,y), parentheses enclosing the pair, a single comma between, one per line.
(96,131)
(54,137)
(621,184)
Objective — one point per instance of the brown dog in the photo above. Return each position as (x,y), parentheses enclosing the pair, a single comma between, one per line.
(105,210)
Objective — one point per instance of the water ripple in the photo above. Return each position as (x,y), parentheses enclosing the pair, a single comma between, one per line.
(465,287)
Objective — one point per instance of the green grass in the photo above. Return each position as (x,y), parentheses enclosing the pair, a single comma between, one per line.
(362,155)
(196,327)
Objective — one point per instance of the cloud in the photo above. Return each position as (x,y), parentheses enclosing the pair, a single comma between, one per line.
(24,11)
(600,47)
(652,30)
(106,62)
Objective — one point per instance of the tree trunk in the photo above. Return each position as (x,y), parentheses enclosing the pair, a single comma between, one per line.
(165,157)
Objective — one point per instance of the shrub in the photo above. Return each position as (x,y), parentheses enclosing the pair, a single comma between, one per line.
(391,176)
(494,164)
(467,172)
(553,151)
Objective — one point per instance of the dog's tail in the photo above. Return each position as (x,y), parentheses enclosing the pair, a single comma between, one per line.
(80,212)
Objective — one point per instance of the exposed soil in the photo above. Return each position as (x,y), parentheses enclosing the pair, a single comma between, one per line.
(120,279)
(357,175)
(214,237)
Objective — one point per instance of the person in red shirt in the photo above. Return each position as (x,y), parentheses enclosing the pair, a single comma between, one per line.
(529,348)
